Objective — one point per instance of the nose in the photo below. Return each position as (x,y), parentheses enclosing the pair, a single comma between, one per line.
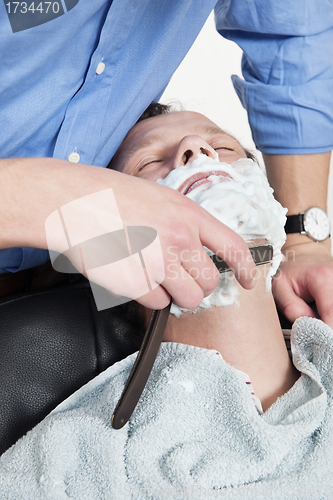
(189,149)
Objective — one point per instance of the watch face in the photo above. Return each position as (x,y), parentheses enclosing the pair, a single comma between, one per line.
(316,224)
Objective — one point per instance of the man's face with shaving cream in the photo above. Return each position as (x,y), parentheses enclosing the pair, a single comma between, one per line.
(194,156)
(156,146)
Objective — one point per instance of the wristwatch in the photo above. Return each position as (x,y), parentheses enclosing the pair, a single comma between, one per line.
(314,223)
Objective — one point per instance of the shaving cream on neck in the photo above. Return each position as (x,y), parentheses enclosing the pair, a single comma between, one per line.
(240,197)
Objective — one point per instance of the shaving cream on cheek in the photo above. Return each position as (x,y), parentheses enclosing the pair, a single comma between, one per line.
(239,196)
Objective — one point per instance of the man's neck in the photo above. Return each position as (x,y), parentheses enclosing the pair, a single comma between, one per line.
(247,334)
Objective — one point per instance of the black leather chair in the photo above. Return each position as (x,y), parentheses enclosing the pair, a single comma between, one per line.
(41,366)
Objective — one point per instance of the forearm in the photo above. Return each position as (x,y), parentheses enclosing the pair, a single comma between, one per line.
(299,182)
(32,188)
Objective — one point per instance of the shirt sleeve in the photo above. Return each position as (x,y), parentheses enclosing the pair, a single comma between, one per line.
(287,68)
(17,259)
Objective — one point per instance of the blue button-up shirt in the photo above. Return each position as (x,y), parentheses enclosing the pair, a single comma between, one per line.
(76,79)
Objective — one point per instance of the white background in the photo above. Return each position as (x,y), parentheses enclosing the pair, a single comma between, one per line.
(202,83)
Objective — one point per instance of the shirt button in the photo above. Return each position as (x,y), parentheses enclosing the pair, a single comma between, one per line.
(74,158)
(100,68)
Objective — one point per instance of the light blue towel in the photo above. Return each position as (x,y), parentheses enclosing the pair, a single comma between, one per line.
(194,434)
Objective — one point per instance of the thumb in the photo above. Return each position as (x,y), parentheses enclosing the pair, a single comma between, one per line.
(288,302)
(324,302)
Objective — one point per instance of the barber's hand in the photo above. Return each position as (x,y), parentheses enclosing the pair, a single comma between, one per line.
(57,201)
(183,228)
(306,275)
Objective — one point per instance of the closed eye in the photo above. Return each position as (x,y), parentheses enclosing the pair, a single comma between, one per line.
(150,162)
(223,147)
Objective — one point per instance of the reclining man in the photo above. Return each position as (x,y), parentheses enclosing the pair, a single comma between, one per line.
(198,429)
(164,143)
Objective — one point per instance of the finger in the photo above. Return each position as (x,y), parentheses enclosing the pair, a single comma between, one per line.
(190,275)
(179,284)
(322,292)
(182,287)
(156,299)
(187,254)
(201,268)
(288,302)
(230,247)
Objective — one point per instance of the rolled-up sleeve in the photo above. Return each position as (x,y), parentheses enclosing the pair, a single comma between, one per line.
(287,66)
